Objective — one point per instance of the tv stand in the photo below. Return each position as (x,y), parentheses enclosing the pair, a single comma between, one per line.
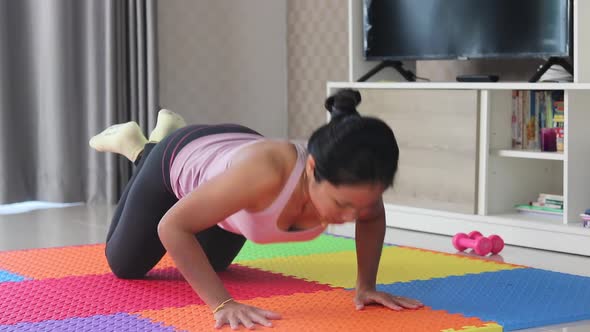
(483,177)
(397,65)
(550,62)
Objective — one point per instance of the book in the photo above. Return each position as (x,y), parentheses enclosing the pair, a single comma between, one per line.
(535,122)
(560,134)
(553,197)
(538,209)
(548,205)
(533,112)
(542,114)
(525,111)
(515,118)
(548,110)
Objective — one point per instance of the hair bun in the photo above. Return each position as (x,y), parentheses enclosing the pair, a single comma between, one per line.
(343,103)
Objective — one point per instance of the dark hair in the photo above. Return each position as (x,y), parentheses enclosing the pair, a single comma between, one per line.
(353,149)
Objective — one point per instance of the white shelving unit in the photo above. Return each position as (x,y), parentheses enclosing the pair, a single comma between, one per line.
(508,177)
(528,154)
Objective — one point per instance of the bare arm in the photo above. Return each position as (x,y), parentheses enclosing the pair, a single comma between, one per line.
(370,232)
(242,186)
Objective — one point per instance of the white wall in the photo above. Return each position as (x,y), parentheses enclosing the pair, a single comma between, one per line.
(225,61)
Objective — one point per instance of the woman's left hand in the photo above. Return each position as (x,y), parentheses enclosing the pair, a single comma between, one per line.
(364,297)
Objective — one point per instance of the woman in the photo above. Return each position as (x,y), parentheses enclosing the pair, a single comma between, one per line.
(201,191)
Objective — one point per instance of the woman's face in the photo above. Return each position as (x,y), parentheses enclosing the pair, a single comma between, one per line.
(343,203)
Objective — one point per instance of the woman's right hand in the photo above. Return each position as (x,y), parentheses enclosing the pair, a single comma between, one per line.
(235,313)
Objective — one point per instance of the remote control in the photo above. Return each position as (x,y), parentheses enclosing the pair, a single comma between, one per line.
(478,78)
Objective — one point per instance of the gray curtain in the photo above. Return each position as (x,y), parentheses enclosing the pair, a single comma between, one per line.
(69,68)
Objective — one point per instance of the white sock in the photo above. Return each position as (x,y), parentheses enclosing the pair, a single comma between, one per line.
(167,122)
(125,138)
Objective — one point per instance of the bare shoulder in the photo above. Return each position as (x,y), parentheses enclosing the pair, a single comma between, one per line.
(275,157)
(270,162)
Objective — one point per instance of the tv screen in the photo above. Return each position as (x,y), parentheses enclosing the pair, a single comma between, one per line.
(465,29)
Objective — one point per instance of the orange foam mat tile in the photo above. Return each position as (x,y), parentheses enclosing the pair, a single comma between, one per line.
(321,311)
(61,262)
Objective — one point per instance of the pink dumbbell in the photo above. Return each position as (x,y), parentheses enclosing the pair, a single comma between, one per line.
(497,241)
(482,246)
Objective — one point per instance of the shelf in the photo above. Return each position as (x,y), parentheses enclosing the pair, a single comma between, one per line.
(459,86)
(529,218)
(531,230)
(529,154)
(552,223)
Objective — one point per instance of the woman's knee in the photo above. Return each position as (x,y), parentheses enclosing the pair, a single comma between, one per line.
(220,266)
(127,273)
(124,269)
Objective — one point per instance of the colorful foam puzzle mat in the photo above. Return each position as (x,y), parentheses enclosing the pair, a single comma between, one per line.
(310,284)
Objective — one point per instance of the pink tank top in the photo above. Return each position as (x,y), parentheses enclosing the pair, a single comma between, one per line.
(208,156)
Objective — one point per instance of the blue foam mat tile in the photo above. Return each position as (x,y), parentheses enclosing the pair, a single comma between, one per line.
(6,276)
(515,299)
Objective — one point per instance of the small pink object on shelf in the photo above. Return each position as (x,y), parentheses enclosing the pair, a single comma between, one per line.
(497,241)
(548,139)
(481,246)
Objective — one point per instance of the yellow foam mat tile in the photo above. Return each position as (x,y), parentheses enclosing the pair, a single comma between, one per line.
(321,311)
(398,264)
(489,327)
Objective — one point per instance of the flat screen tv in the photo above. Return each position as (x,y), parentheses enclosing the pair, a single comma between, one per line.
(466,29)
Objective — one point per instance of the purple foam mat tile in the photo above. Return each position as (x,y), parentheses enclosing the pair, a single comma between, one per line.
(98,323)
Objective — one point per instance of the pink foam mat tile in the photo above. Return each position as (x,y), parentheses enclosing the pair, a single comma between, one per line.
(60,298)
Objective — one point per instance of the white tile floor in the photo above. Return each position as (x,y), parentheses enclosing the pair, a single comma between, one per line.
(86,225)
